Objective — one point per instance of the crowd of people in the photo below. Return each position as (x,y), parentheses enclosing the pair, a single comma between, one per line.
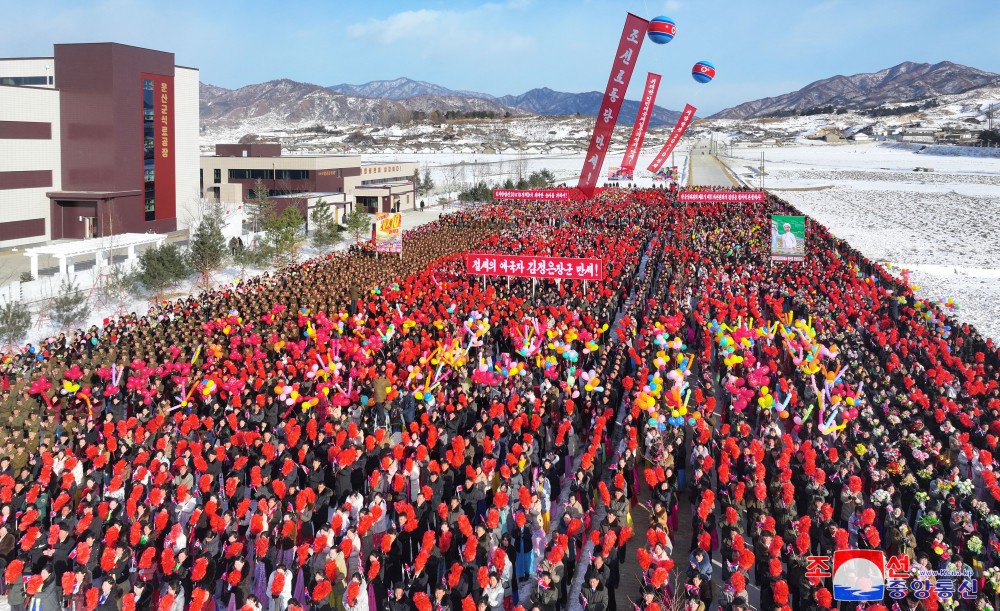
(369,434)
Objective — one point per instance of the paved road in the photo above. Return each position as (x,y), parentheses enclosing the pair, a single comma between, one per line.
(706,169)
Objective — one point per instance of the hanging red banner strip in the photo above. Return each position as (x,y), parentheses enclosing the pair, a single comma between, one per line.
(675,136)
(614,94)
(641,121)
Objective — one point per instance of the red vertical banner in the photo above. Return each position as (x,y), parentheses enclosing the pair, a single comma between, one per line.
(641,121)
(614,94)
(164,163)
(682,124)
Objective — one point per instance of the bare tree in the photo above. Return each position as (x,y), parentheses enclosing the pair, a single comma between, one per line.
(520,166)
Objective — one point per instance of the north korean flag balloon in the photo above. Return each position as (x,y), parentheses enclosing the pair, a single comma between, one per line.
(703,72)
(661,30)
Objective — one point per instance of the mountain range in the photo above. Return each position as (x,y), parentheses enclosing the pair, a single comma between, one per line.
(285,101)
(386,102)
(906,82)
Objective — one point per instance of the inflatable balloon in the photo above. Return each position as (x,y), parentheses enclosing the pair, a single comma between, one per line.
(661,30)
(703,72)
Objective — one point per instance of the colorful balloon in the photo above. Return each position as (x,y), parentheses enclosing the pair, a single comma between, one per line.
(661,30)
(703,72)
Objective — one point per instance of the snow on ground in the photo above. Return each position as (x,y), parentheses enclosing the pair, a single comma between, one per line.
(448,169)
(941,225)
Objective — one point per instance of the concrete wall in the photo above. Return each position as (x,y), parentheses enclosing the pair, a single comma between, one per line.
(187,156)
(31,66)
(17,206)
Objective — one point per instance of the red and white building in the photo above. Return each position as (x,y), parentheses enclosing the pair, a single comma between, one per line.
(100,139)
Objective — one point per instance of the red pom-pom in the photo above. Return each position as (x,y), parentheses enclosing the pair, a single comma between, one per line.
(605,494)
(645,560)
(421,601)
(278,583)
(774,567)
(198,571)
(705,541)
(738,581)
(780,592)
(321,591)
(330,570)
(13,571)
(68,582)
(166,602)
(90,599)
(128,602)
(659,577)
(840,537)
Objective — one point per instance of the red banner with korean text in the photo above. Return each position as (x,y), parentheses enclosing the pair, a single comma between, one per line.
(518,266)
(687,115)
(641,121)
(164,168)
(690,197)
(614,94)
(540,194)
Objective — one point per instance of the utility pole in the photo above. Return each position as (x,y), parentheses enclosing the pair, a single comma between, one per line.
(762,170)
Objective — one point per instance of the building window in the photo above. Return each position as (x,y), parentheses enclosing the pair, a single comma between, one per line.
(217,175)
(237,174)
(251,175)
(25,80)
(148,152)
(370,204)
(292,175)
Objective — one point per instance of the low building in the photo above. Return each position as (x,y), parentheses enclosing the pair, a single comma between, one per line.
(100,139)
(232,174)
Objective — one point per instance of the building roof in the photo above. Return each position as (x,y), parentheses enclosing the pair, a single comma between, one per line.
(91,195)
(292,156)
(306,195)
(85,247)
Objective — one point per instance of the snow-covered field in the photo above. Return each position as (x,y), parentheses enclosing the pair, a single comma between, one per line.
(448,169)
(942,225)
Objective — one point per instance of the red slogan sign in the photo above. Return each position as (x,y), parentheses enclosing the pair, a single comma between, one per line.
(543,194)
(687,115)
(611,105)
(641,121)
(534,267)
(721,196)
(163,146)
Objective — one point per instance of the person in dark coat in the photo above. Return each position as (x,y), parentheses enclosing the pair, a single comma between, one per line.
(77,600)
(15,596)
(49,597)
(594,597)
(107,599)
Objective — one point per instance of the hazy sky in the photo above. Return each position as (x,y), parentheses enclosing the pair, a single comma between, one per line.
(759,47)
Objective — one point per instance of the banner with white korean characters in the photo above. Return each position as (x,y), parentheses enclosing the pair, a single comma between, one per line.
(533,194)
(641,121)
(614,94)
(521,266)
(687,115)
